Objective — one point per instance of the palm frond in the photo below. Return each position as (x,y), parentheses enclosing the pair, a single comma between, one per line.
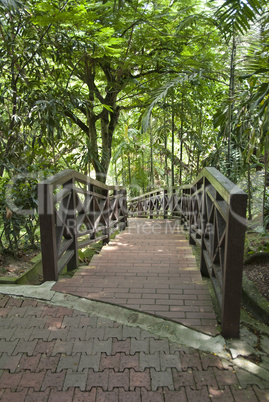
(237,15)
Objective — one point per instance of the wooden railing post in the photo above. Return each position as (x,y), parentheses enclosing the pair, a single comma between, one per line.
(47,231)
(233,266)
(203,266)
(150,207)
(106,213)
(91,212)
(164,203)
(124,207)
(72,225)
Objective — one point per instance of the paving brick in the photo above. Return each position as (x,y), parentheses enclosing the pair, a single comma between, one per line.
(48,362)
(61,396)
(33,380)
(175,396)
(131,332)
(6,333)
(69,362)
(225,377)
(147,334)
(9,396)
(261,394)
(83,396)
(3,300)
(44,347)
(40,333)
(242,395)
(130,396)
(70,321)
(118,380)
(161,379)
(222,395)
(9,362)
(53,380)
(127,361)
(112,396)
(58,334)
(183,378)
(92,333)
(17,310)
(140,379)
(25,347)
(112,362)
(81,346)
(73,379)
(210,360)
(102,346)
(200,395)
(53,323)
(4,311)
(152,360)
(99,379)
(28,362)
(10,380)
(104,322)
(36,322)
(113,333)
(90,362)
(150,396)
(170,360)
(190,359)
(139,346)
(62,347)
(205,378)
(8,346)
(76,333)
(159,345)
(121,346)
(23,333)
(34,396)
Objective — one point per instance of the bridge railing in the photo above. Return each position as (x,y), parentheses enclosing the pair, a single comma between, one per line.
(214,211)
(75,211)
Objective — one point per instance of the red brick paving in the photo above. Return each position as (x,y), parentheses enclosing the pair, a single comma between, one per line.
(127,364)
(149,267)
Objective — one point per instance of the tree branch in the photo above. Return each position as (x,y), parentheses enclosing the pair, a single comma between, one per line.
(77,121)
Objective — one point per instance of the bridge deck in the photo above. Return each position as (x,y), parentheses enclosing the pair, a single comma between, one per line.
(149,267)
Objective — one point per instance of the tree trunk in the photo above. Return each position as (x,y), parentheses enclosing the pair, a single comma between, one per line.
(231,95)
(181,140)
(266,156)
(173,142)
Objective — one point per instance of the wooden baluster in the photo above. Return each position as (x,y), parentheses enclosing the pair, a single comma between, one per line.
(233,266)
(71,220)
(47,232)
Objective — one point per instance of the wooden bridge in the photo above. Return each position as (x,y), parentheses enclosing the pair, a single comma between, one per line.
(150,266)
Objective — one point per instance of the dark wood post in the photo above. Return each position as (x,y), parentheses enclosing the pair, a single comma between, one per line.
(91,211)
(72,225)
(150,207)
(164,203)
(47,232)
(106,213)
(233,266)
(124,207)
(203,266)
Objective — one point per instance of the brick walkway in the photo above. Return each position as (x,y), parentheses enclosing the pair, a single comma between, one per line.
(149,267)
(54,354)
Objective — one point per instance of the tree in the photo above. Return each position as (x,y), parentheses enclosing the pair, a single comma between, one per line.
(103,55)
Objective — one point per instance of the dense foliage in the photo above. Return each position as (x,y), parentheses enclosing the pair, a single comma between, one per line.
(140,93)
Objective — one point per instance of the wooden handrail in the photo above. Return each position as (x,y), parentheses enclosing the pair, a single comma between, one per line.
(213,209)
(76,210)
